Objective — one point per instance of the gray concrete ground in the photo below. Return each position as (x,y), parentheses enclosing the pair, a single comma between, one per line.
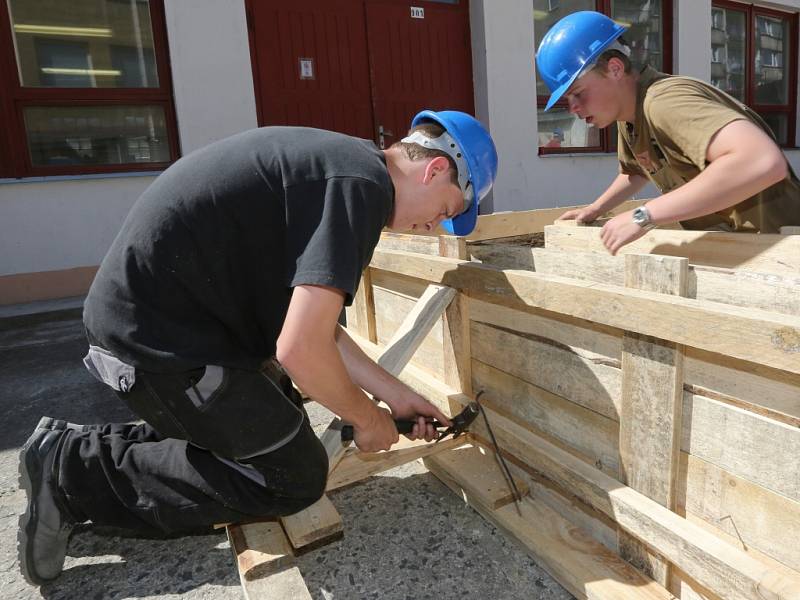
(406,535)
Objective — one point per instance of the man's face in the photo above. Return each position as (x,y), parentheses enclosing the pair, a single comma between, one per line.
(594,97)
(434,198)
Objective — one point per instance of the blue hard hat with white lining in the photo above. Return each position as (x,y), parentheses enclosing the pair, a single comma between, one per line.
(572,46)
(471,147)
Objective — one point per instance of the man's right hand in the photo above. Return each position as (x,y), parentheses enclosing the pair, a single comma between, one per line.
(377,433)
(587,214)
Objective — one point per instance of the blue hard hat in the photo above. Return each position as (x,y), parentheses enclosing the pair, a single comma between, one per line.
(571,46)
(480,156)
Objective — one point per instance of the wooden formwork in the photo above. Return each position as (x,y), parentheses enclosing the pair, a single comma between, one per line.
(650,401)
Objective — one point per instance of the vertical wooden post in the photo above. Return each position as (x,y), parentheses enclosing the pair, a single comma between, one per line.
(455,326)
(652,401)
(361,315)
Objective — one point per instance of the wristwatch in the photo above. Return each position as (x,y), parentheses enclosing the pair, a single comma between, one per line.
(641,216)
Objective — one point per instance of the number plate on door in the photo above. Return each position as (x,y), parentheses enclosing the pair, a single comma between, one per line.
(417,12)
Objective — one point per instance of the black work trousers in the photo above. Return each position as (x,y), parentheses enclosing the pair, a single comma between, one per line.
(216,447)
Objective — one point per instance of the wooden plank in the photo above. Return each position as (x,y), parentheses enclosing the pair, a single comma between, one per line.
(592,435)
(756,517)
(357,466)
(772,339)
(578,335)
(768,253)
(760,389)
(652,400)
(584,567)
(392,309)
(479,473)
(361,315)
(456,345)
(748,445)
(704,557)
(415,327)
(266,566)
(314,526)
(593,382)
(740,288)
(408,242)
(719,566)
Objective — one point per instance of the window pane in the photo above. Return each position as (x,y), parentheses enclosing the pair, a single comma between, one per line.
(545,14)
(96,135)
(728,51)
(779,123)
(772,52)
(84,43)
(559,129)
(645,35)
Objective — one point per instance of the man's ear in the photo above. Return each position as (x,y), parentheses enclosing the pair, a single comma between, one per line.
(436,166)
(615,68)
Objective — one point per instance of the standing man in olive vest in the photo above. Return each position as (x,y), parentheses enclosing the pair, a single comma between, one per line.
(715,160)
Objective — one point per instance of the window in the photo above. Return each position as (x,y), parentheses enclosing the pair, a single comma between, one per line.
(650,38)
(84,87)
(752,60)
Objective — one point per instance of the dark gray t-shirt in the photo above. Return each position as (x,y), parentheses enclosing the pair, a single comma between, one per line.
(203,268)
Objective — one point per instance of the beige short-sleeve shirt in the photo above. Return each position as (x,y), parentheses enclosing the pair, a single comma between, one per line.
(676,118)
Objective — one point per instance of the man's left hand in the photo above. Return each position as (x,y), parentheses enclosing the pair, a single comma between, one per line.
(410,405)
(619,231)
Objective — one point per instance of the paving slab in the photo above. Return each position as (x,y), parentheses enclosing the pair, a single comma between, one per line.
(406,535)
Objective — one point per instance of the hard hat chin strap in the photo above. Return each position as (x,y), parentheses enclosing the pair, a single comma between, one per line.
(448,145)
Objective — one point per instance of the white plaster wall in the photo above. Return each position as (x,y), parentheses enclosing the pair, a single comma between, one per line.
(48,226)
(692,38)
(56,223)
(212,77)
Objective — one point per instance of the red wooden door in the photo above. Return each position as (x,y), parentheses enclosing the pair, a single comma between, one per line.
(310,64)
(355,66)
(420,57)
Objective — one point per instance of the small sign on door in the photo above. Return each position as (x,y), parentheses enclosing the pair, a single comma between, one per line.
(417,12)
(306,68)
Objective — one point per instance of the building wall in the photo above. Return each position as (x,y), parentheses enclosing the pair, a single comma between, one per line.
(55,231)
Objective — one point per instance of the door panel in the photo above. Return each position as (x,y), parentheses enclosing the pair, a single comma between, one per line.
(418,63)
(331,35)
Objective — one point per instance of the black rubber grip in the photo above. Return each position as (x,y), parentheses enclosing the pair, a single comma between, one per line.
(402,427)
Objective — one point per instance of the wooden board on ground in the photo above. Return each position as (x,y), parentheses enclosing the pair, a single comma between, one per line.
(266,566)
(481,475)
(314,526)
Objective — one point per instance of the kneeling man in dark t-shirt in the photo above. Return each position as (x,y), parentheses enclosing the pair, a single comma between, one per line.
(224,285)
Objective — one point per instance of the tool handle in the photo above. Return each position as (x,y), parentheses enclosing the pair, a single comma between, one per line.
(403,426)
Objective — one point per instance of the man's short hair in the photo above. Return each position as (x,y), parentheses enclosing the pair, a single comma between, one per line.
(602,61)
(416,152)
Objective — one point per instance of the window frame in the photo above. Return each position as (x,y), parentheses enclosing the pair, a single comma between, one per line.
(608,142)
(752,11)
(15,156)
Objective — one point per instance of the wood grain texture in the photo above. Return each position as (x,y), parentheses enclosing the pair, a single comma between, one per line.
(772,339)
(767,253)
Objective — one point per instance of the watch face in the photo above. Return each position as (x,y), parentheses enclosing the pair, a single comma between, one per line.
(640,216)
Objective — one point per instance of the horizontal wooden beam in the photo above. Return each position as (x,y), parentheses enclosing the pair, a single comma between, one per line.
(763,252)
(772,339)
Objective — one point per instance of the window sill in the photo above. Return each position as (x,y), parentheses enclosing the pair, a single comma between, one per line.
(88,176)
(579,155)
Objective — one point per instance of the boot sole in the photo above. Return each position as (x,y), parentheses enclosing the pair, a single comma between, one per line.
(27,521)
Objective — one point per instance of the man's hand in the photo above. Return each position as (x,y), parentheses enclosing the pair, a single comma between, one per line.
(619,231)
(410,405)
(377,433)
(587,214)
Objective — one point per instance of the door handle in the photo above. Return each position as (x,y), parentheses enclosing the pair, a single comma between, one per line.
(382,134)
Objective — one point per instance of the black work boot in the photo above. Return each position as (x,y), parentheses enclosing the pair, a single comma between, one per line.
(45,526)
(61,425)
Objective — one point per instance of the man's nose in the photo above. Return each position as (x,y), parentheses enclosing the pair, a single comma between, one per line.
(572,105)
